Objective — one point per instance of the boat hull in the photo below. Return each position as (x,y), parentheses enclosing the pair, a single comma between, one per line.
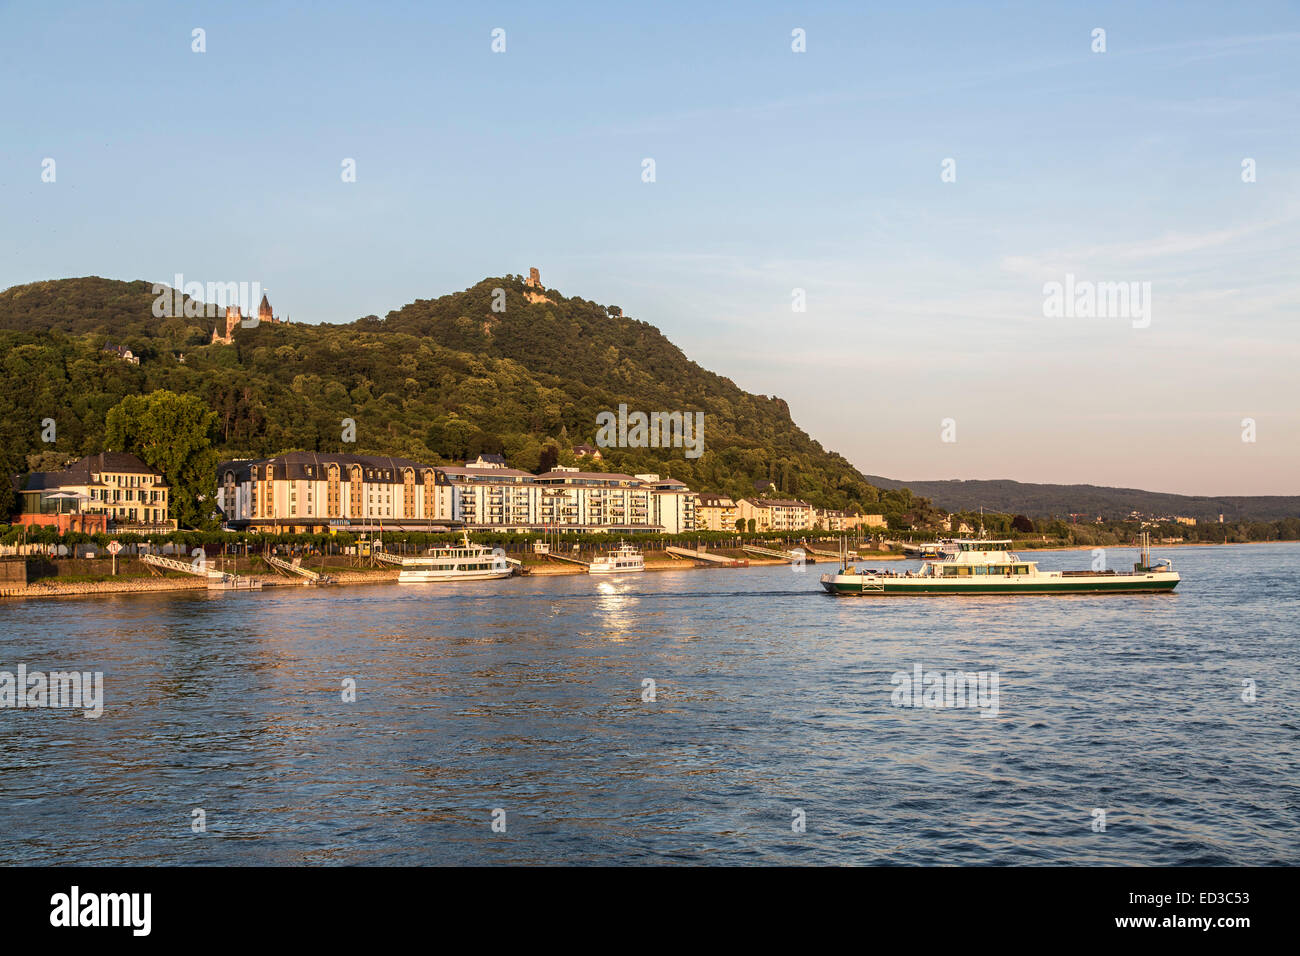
(437,577)
(856,585)
(598,569)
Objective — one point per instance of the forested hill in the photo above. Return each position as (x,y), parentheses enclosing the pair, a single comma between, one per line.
(436,380)
(1092,500)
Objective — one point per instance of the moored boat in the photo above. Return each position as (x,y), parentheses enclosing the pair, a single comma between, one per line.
(464,562)
(620,560)
(979,566)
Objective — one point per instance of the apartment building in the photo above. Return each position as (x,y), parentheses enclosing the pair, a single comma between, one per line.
(110,491)
(716,512)
(777,514)
(676,507)
(756,513)
(309,492)
(828,519)
(852,522)
(488,494)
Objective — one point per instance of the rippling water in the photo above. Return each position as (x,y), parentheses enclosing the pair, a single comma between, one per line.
(526,695)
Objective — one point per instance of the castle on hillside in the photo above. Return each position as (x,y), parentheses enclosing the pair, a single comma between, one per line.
(234,317)
(534,281)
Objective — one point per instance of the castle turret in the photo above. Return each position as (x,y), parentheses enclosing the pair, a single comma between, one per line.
(264,311)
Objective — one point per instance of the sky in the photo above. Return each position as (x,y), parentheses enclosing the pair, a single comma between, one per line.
(916,178)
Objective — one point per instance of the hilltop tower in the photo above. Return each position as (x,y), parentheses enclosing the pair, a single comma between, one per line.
(233,318)
(533,287)
(264,311)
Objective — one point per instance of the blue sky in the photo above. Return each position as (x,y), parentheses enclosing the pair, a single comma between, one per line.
(775,171)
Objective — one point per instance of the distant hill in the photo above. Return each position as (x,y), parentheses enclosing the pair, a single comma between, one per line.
(435,380)
(1038,501)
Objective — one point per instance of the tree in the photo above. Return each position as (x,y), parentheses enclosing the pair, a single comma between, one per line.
(740,524)
(1022,523)
(550,458)
(172,433)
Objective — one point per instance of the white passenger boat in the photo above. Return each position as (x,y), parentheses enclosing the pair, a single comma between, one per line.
(988,567)
(463,562)
(621,560)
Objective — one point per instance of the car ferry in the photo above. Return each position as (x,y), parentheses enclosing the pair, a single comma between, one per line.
(980,566)
(464,562)
(621,560)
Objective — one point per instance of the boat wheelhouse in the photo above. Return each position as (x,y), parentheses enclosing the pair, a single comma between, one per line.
(463,562)
(980,566)
(620,560)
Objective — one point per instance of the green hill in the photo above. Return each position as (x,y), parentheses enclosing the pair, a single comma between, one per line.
(436,380)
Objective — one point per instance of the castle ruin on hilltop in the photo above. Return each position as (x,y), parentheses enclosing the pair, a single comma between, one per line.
(235,318)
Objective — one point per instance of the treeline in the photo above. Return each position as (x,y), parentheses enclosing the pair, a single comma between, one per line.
(1058,531)
(1113,504)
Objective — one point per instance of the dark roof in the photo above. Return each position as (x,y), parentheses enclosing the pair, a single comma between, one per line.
(265,306)
(714,499)
(38,481)
(78,472)
(114,461)
(764,484)
(485,473)
(293,465)
(495,459)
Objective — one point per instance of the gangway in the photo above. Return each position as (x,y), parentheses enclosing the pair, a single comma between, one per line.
(705,556)
(564,557)
(782,555)
(295,567)
(825,554)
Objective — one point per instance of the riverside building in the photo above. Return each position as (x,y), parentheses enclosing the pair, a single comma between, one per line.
(310,492)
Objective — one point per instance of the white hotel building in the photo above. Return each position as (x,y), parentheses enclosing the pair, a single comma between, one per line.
(311,492)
